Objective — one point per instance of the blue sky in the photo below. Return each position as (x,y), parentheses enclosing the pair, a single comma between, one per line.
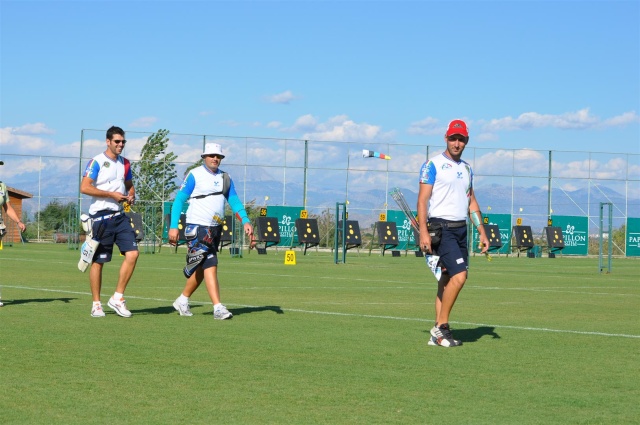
(561,75)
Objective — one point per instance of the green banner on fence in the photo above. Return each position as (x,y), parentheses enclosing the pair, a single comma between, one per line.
(405,231)
(166,217)
(633,237)
(503,221)
(575,231)
(287,217)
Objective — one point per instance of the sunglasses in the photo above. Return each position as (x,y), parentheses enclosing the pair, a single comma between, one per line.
(213,156)
(117,142)
(458,138)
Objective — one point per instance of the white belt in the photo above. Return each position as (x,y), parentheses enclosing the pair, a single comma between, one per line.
(105,217)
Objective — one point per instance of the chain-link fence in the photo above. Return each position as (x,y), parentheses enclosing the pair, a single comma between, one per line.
(530,185)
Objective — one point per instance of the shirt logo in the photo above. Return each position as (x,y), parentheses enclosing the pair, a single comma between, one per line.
(459,174)
(106,164)
(446,166)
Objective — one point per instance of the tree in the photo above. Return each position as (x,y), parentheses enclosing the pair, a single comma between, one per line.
(155,173)
(55,215)
(326,226)
(154,179)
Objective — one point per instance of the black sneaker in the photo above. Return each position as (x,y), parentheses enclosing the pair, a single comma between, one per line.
(443,336)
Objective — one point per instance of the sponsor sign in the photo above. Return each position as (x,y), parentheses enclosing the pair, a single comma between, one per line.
(405,231)
(575,231)
(503,221)
(633,237)
(287,217)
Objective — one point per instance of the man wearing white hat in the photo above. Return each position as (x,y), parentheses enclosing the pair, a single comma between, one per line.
(206,189)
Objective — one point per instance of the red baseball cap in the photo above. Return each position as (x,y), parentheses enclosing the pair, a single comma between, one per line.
(457,127)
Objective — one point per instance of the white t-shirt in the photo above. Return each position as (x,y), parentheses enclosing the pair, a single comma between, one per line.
(207,211)
(109,175)
(452,182)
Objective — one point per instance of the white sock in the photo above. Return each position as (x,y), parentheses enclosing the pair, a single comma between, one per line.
(215,306)
(182,299)
(96,303)
(118,296)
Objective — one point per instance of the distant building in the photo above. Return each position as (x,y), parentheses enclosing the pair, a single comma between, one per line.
(15,199)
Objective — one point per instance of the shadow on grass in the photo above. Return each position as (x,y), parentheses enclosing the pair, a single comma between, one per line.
(246,310)
(196,308)
(165,309)
(473,334)
(36,300)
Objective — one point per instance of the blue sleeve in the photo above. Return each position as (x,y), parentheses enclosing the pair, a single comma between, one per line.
(92,170)
(181,198)
(236,204)
(428,173)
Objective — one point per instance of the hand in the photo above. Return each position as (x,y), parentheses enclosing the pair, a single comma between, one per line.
(485,243)
(119,197)
(22,226)
(425,242)
(248,229)
(173,236)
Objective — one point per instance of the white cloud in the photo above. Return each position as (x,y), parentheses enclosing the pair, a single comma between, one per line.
(426,127)
(143,122)
(31,129)
(630,117)
(283,98)
(304,123)
(508,162)
(274,124)
(339,128)
(582,119)
(25,139)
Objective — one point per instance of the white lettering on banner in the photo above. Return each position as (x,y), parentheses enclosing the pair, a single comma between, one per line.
(635,241)
(406,225)
(287,232)
(403,235)
(286,220)
(575,238)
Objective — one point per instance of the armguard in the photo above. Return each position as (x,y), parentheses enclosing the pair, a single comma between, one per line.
(476,218)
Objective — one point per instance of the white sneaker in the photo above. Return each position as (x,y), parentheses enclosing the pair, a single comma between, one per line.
(221,313)
(120,307)
(183,309)
(97,311)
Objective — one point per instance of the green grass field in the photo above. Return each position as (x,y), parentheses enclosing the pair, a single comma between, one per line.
(545,341)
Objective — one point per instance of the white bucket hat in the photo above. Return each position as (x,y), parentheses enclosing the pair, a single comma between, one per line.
(212,149)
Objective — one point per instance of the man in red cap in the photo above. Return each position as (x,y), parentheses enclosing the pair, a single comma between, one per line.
(445,199)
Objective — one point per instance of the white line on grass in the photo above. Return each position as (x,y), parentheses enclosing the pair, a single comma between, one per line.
(496,288)
(369,316)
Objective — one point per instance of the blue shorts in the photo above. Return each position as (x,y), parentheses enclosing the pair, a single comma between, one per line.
(453,251)
(116,230)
